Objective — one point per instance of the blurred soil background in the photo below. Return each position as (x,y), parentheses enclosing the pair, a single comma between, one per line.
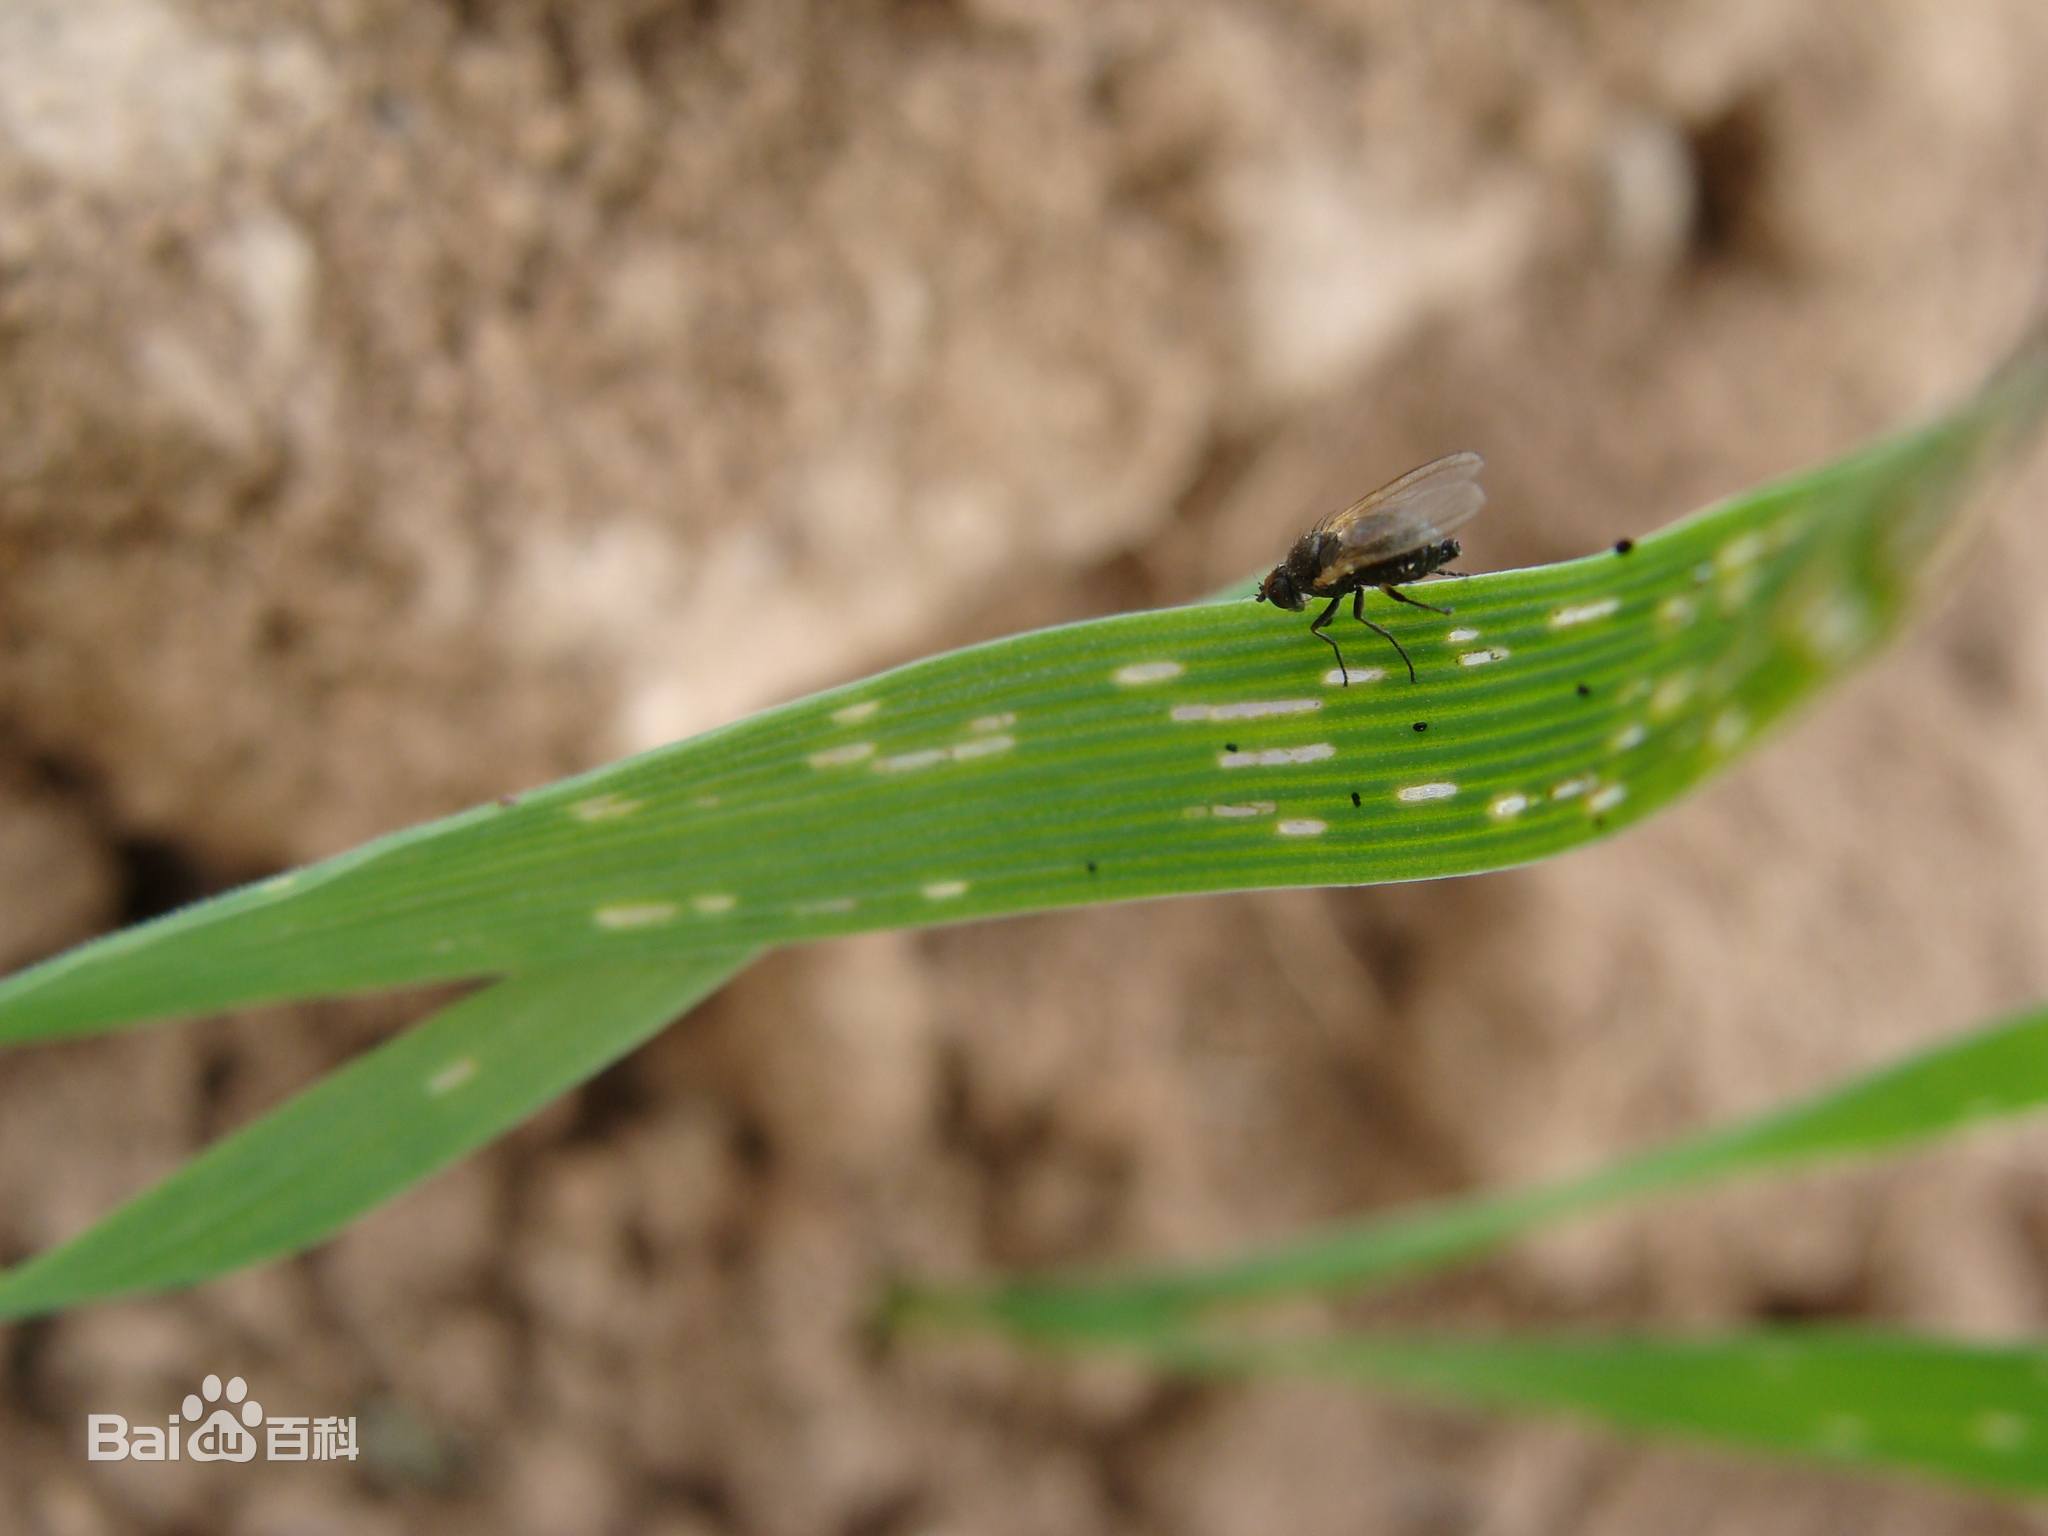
(408,402)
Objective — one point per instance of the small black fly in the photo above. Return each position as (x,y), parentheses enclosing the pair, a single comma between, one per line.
(1401,532)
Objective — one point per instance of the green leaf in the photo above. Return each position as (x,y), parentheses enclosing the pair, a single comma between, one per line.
(1206,748)
(370,1129)
(1990,1075)
(1970,1413)
(1977,1414)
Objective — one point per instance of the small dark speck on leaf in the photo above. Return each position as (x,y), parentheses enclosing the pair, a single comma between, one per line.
(1354,797)
(1585,692)
(1599,823)
(1623,546)
(1422,725)
(1230,746)
(1091,866)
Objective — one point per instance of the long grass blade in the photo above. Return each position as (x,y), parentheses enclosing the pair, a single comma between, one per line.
(1195,749)
(1974,1414)
(1993,1074)
(370,1129)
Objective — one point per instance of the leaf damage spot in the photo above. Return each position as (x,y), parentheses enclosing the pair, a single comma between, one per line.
(981,746)
(907,762)
(1276,757)
(634,914)
(452,1076)
(607,807)
(1244,709)
(1584,613)
(1416,793)
(839,757)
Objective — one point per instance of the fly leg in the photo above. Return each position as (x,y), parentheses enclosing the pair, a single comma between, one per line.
(1316,628)
(1402,597)
(1358,613)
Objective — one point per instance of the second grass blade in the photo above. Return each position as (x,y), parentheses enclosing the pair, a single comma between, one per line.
(369,1130)
(1998,1072)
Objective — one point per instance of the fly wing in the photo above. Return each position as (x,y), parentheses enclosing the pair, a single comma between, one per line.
(1421,508)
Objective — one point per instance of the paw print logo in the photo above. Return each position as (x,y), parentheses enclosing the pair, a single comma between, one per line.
(221,1436)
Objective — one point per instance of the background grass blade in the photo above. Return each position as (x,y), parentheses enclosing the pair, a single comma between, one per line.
(371,1129)
(1195,749)
(1966,1413)
(1998,1072)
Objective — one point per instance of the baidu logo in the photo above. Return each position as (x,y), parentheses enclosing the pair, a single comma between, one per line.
(219,1422)
(224,1434)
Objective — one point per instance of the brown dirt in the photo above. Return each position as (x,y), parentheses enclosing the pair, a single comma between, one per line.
(404,404)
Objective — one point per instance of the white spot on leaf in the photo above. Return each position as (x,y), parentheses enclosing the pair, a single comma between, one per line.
(1740,551)
(1631,735)
(1277,757)
(1247,709)
(1566,789)
(1000,722)
(1606,798)
(984,746)
(945,890)
(1335,676)
(452,1076)
(853,714)
(1728,729)
(604,808)
(839,757)
(1584,613)
(905,762)
(1481,658)
(1460,636)
(1507,807)
(1248,808)
(1306,826)
(1670,695)
(1141,672)
(1836,628)
(713,904)
(1418,792)
(1677,611)
(634,914)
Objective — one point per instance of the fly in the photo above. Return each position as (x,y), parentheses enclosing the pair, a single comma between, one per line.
(1401,532)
